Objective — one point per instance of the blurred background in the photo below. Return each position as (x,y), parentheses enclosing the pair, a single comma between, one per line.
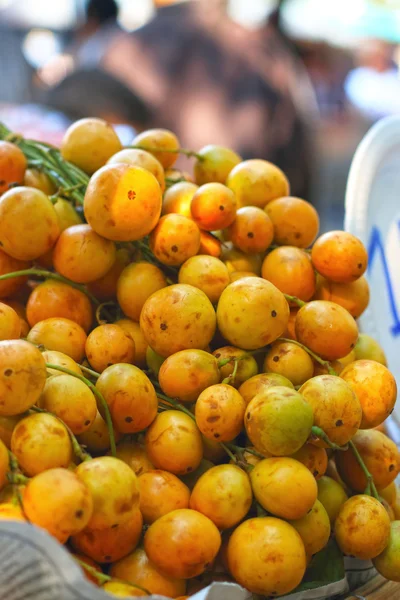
(297,82)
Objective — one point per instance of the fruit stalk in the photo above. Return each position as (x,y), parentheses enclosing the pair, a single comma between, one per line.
(319,433)
(99,397)
(371,488)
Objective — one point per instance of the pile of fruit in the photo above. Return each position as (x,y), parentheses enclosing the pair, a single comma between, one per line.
(184,393)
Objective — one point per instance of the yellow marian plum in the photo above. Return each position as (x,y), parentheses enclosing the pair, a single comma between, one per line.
(290,270)
(327,329)
(138,568)
(219,412)
(178,198)
(369,349)
(223,494)
(113,543)
(60,334)
(314,528)
(137,282)
(337,410)
(353,296)
(41,442)
(114,488)
(295,221)
(108,345)
(71,400)
(331,495)
(375,387)
(10,323)
(174,239)
(130,396)
(207,273)
(339,256)
(278,421)
(58,299)
(12,165)
(214,164)
(161,143)
(184,375)
(122,202)
(289,360)
(388,562)
(89,143)
(213,206)
(140,158)
(252,230)
(256,182)
(22,376)
(380,455)
(252,313)
(266,556)
(259,383)
(28,223)
(314,458)
(183,543)
(284,487)
(161,493)
(362,527)
(58,501)
(178,317)
(82,255)
(173,443)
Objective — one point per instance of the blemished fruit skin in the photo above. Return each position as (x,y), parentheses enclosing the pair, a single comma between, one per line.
(185,396)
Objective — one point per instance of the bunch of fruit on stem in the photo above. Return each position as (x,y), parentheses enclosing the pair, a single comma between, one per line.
(184,393)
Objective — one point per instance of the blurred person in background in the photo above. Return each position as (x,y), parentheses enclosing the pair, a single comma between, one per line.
(373,87)
(81,87)
(211,80)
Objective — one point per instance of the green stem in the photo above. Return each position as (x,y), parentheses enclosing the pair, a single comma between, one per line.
(185,151)
(371,488)
(62,192)
(79,452)
(230,380)
(99,397)
(320,434)
(89,371)
(295,300)
(16,478)
(176,405)
(103,578)
(318,359)
(50,275)
(231,455)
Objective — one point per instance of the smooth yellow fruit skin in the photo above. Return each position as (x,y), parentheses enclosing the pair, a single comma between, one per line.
(266,556)
(331,495)
(314,529)
(256,182)
(284,487)
(362,527)
(388,562)
(223,494)
(114,488)
(278,421)
(89,143)
(252,313)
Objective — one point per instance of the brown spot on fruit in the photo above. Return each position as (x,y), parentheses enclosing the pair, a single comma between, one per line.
(131,194)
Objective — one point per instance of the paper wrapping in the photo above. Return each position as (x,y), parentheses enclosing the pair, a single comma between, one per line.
(34,566)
